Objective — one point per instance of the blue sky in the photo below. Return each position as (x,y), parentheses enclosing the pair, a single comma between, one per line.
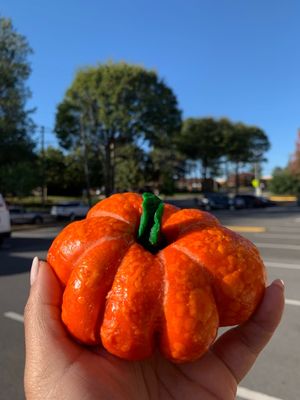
(233,58)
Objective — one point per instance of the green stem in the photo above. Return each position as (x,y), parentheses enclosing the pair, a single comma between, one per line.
(150,223)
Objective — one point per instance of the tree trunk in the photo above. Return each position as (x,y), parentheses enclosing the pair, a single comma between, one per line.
(109,168)
(204,170)
(112,166)
(87,179)
(226,174)
(85,163)
(237,178)
(204,177)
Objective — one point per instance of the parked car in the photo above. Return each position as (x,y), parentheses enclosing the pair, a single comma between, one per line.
(69,210)
(19,215)
(250,201)
(214,201)
(267,202)
(5,227)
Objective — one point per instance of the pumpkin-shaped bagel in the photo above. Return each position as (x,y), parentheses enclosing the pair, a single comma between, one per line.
(138,273)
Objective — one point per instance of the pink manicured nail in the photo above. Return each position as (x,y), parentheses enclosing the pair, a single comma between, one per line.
(34,270)
(279,283)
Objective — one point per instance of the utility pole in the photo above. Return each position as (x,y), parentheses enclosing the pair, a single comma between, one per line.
(43,183)
(85,162)
(256,181)
(84,150)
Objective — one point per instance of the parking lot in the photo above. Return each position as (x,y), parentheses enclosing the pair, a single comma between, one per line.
(276,232)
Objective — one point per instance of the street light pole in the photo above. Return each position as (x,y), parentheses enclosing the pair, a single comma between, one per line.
(257,179)
(43,188)
(85,162)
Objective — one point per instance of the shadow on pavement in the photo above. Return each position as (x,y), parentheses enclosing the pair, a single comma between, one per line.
(15,257)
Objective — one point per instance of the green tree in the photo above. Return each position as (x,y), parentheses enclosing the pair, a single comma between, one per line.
(287,180)
(202,139)
(63,173)
(129,168)
(16,127)
(114,104)
(53,164)
(243,144)
(284,182)
(18,179)
(164,166)
(294,163)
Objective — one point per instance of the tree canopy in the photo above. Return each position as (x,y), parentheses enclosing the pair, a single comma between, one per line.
(16,144)
(213,142)
(243,144)
(130,161)
(114,104)
(287,180)
(202,139)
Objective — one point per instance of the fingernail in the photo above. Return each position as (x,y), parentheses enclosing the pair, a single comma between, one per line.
(279,283)
(34,270)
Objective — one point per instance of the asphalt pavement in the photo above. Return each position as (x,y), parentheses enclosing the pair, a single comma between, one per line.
(276,232)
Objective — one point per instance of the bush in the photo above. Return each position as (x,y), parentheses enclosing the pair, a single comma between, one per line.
(284,182)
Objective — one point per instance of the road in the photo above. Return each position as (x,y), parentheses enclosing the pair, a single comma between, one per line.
(276,232)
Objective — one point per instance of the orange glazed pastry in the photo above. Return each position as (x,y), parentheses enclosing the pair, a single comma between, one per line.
(138,273)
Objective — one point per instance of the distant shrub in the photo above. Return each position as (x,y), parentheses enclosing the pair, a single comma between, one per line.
(284,182)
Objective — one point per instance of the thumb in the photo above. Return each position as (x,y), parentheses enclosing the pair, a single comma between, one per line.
(239,347)
(43,309)
(49,349)
(45,335)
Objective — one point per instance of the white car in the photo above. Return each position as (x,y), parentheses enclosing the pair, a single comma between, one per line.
(18,215)
(70,210)
(5,228)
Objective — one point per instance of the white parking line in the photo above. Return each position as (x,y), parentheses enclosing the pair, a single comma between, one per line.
(277,236)
(291,302)
(248,394)
(271,264)
(15,316)
(277,246)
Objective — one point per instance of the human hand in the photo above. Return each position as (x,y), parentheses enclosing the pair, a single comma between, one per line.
(59,368)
